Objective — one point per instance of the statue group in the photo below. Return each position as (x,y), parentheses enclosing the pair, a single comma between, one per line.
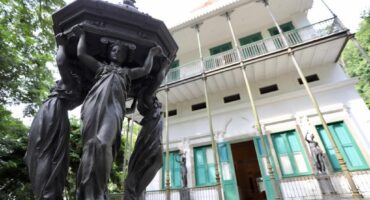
(101,81)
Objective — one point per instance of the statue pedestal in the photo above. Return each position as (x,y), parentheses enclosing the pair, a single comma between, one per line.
(325,184)
(185,194)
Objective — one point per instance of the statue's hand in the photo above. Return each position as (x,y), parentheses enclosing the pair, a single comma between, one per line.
(157,51)
(78,29)
(60,38)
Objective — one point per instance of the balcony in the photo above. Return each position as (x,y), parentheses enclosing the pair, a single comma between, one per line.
(253,50)
(303,187)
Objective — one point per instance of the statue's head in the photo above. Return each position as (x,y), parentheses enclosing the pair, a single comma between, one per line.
(118,53)
(121,51)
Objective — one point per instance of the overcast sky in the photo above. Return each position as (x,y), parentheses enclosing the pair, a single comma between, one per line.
(174,11)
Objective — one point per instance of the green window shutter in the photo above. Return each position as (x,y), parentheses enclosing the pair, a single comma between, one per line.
(222,150)
(174,73)
(250,39)
(261,156)
(175,170)
(175,64)
(293,37)
(252,50)
(284,27)
(292,159)
(205,171)
(220,48)
(346,145)
(200,167)
(211,167)
(328,148)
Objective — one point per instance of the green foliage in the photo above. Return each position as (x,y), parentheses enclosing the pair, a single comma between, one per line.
(118,175)
(14,182)
(74,158)
(355,64)
(27,45)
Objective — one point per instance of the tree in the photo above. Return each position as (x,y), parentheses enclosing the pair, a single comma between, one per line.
(14,182)
(118,175)
(27,45)
(355,64)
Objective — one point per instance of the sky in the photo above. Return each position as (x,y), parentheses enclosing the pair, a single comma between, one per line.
(174,11)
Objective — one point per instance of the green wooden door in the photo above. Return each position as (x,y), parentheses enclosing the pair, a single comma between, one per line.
(211,63)
(253,49)
(227,172)
(292,37)
(291,156)
(262,156)
(204,166)
(205,173)
(175,170)
(346,145)
(174,73)
(220,48)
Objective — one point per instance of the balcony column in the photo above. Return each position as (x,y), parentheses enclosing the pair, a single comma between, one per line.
(355,192)
(166,132)
(270,171)
(210,124)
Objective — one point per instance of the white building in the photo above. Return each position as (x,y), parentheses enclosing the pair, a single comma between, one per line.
(284,108)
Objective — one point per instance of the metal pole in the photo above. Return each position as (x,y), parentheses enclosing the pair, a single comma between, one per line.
(355,192)
(214,145)
(210,124)
(254,111)
(168,182)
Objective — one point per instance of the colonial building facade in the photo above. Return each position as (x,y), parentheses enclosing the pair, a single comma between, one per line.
(235,79)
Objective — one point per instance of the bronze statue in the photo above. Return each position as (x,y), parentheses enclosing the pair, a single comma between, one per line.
(102,114)
(184,170)
(316,153)
(103,59)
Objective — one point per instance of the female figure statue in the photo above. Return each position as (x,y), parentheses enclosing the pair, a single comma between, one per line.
(102,114)
(316,152)
(184,171)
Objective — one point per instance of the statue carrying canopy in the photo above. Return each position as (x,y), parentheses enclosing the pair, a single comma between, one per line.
(107,53)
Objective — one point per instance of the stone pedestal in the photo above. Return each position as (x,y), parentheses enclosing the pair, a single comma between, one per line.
(185,194)
(325,184)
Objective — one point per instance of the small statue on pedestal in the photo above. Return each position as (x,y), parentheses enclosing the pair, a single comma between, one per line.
(184,171)
(317,154)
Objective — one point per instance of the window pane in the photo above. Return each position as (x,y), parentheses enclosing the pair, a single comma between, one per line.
(300,163)
(280,145)
(211,174)
(209,153)
(226,173)
(353,157)
(342,135)
(293,142)
(222,149)
(200,167)
(199,157)
(286,165)
(264,161)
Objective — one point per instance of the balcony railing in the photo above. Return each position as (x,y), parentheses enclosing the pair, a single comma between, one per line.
(196,193)
(252,50)
(335,186)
